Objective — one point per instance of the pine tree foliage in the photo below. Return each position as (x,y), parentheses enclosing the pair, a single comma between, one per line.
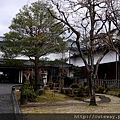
(34,32)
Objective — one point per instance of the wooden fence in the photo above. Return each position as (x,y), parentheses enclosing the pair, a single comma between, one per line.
(110,83)
(113,83)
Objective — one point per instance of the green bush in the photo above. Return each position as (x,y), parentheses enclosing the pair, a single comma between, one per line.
(74,85)
(106,90)
(80,91)
(40,91)
(114,93)
(67,91)
(50,85)
(99,89)
(27,89)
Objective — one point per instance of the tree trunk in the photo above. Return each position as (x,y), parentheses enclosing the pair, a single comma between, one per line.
(91,54)
(36,73)
(91,89)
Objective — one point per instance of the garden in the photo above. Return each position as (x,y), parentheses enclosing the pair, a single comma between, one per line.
(51,93)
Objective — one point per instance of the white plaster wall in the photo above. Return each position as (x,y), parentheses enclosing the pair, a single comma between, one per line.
(110,57)
(54,56)
(1,54)
(77,61)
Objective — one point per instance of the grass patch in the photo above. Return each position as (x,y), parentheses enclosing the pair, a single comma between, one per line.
(96,106)
(51,96)
(114,92)
(115,89)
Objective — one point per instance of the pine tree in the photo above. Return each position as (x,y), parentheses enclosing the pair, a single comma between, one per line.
(34,33)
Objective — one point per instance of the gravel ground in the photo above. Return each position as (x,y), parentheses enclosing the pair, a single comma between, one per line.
(5,98)
(6,106)
(75,106)
(6,103)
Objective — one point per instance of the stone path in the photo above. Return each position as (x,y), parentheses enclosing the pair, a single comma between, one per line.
(6,103)
(5,98)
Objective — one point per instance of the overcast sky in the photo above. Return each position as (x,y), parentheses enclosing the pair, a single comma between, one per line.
(8,10)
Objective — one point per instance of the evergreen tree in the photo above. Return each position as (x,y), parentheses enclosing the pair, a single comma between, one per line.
(34,33)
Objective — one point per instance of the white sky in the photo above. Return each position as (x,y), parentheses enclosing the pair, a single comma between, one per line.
(8,10)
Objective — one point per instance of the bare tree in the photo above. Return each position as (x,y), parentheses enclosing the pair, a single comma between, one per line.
(90,23)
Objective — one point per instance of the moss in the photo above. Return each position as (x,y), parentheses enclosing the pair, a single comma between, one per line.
(50,96)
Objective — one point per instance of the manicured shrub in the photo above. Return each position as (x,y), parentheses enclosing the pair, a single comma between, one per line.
(31,95)
(74,85)
(99,89)
(27,89)
(40,91)
(114,93)
(106,90)
(67,91)
(50,85)
(80,91)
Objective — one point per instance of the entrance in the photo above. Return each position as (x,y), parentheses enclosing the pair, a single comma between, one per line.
(9,76)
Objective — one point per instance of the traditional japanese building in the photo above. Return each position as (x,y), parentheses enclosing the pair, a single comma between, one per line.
(15,70)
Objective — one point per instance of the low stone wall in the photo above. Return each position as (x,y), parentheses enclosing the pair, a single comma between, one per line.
(17,112)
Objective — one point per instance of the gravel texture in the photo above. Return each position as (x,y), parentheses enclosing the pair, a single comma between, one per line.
(74,106)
